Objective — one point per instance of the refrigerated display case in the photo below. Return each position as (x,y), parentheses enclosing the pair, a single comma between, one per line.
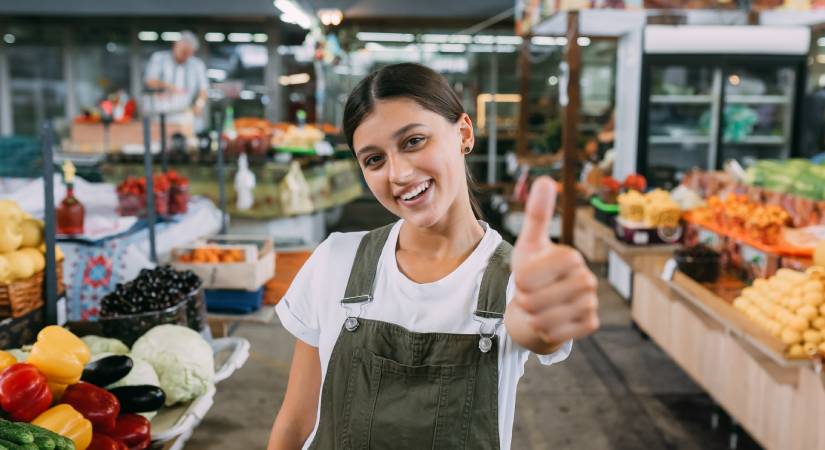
(703,101)
(700,111)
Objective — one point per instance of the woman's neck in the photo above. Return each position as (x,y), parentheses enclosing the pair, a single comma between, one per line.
(455,237)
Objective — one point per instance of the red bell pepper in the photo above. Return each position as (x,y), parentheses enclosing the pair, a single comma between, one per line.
(98,405)
(133,430)
(102,442)
(24,392)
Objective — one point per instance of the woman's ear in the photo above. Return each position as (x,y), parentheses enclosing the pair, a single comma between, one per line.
(465,128)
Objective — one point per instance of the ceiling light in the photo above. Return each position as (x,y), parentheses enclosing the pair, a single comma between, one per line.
(384,37)
(240,37)
(292,13)
(330,17)
(511,40)
(147,36)
(435,38)
(460,39)
(481,48)
(260,37)
(247,95)
(734,80)
(214,37)
(506,48)
(553,80)
(453,48)
(9,38)
(170,36)
(484,39)
(111,47)
(543,40)
(821,42)
(583,41)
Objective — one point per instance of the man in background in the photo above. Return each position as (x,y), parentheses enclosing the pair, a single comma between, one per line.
(178,80)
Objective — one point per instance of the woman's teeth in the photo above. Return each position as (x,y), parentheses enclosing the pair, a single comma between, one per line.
(417,191)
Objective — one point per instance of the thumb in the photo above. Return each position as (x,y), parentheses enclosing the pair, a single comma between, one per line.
(538,213)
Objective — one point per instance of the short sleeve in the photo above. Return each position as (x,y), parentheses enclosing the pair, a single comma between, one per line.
(154,67)
(298,309)
(559,355)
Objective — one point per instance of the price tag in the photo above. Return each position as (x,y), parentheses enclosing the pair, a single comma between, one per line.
(669,269)
(754,258)
(61,311)
(640,238)
(324,148)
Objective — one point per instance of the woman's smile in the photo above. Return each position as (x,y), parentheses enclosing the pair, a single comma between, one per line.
(417,194)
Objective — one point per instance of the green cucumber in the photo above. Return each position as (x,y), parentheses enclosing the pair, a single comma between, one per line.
(44,442)
(16,434)
(12,446)
(60,442)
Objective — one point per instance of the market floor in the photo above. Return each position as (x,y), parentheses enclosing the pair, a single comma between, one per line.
(617,391)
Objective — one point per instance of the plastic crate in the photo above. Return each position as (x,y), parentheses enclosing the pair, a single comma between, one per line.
(234,301)
(20,157)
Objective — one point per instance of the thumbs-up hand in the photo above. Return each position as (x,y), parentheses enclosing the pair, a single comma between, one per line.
(555,298)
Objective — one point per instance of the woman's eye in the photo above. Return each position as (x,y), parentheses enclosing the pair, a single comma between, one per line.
(372,160)
(415,141)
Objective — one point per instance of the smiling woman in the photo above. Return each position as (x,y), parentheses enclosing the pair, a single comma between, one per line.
(415,335)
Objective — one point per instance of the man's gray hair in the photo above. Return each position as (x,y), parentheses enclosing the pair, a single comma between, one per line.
(188,37)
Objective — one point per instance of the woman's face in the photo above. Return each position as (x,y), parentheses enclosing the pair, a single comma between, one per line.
(412,160)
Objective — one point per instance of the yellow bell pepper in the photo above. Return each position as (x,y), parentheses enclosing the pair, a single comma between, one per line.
(57,390)
(59,354)
(6,359)
(67,422)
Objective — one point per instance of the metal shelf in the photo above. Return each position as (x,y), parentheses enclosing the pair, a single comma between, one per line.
(681,99)
(758,99)
(679,140)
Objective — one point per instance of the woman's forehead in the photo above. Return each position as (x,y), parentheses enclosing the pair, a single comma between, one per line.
(390,115)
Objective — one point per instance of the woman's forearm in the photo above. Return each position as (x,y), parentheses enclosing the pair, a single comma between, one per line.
(287,435)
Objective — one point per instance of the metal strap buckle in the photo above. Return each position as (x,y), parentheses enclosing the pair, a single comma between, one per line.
(351,323)
(485,341)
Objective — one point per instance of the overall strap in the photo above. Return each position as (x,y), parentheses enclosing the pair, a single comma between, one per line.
(365,266)
(492,295)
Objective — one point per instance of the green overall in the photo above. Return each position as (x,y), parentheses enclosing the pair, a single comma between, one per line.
(390,388)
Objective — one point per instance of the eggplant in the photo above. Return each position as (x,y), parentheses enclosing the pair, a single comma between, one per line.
(140,398)
(106,371)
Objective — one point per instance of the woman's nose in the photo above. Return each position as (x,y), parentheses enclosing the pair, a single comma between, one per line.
(401,171)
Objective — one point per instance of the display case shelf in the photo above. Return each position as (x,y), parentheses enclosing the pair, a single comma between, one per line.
(681,99)
(759,140)
(668,140)
(758,99)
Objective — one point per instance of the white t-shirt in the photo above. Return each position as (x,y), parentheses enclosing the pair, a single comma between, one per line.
(311,308)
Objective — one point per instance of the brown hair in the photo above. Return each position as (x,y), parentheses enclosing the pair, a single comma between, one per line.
(412,81)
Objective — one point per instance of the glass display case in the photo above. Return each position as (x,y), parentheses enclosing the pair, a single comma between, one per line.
(702,111)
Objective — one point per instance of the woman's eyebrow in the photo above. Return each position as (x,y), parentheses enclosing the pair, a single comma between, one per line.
(406,128)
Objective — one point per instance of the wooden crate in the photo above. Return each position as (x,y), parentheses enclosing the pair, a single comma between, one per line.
(248,276)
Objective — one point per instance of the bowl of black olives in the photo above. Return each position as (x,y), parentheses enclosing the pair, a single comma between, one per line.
(698,262)
(156,297)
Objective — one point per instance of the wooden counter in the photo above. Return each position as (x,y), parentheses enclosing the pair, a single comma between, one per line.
(596,240)
(780,402)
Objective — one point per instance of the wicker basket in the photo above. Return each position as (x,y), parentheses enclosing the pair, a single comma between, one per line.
(24,296)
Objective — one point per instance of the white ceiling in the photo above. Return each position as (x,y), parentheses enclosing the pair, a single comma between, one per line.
(417,9)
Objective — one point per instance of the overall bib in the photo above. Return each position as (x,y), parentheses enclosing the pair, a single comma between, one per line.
(390,388)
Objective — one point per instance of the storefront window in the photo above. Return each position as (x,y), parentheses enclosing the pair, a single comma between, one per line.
(100,62)
(38,91)
(242,65)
